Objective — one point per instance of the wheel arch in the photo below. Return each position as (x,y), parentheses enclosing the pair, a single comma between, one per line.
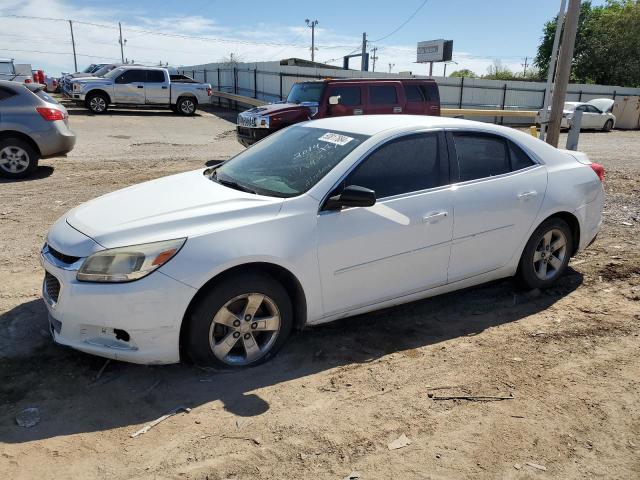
(187,95)
(574,225)
(22,136)
(288,280)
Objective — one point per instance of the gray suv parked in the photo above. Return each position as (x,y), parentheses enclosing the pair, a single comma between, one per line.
(33,125)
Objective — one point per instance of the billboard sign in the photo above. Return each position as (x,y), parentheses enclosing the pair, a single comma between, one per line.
(435,51)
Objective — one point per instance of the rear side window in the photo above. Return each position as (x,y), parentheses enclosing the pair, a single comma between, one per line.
(382,95)
(414,93)
(519,159)
(6,93)
(349,96)
(155,76)
(481,156)
(404,165)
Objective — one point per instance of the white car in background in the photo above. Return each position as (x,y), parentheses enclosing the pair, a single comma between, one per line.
(319,221)
(592,117)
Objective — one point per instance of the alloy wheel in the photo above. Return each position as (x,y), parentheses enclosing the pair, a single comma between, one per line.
(98,104)
(549,255)
(187,107)
(14,159)
(244,329)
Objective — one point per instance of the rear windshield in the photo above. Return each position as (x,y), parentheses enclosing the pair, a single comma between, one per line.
(45,96)
(288,162)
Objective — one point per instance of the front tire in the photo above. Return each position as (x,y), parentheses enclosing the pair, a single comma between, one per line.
(546,255)
(240,322)
(18,158)
(97,103)
(186,106)
(608,125)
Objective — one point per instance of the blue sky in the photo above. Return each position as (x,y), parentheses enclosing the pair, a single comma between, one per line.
(482,31)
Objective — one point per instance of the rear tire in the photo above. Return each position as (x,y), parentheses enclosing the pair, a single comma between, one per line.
(186,106)
(97,103)
(546,255)
(18,158)
(240,322)
(608,125)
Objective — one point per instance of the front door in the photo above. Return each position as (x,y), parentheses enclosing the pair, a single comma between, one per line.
(401,244)
(350,100)
(495,204)
(129,87)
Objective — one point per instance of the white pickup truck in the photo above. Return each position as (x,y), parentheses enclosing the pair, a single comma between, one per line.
(15,72)
(135,85)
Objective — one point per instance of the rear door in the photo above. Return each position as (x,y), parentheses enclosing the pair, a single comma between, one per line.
(351,99)
(129,87)
(156,88)
(499,193)
(384,98)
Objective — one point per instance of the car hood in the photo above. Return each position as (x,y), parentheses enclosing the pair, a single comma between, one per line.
(90,80)
(280,108)
(183,205)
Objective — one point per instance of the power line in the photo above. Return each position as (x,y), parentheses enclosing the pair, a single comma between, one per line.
(403,23)
(58,53)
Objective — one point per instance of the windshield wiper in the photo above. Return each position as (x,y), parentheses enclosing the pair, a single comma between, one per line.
(232,184)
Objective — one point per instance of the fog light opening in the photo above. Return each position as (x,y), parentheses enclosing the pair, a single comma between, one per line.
(121,335)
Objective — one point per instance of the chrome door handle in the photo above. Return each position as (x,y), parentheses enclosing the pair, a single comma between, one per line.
(397,109)
(434,217)
(526,195)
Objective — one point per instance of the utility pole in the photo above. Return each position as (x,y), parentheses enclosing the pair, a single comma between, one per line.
(525,65)
(121,42)
(73,44)
(363,59)
(563,71)
(551,70)
(312,25)
(391,65)
(374,58)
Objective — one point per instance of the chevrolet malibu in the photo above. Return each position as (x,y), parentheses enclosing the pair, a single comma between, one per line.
(322,220)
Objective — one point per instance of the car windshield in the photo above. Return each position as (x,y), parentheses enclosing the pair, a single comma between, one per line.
(6,67)
(288,162)
(113,73)
(90,68)
(306,92)
(103,70)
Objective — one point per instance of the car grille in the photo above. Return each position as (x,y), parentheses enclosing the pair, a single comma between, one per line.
(68,259)
(51,287)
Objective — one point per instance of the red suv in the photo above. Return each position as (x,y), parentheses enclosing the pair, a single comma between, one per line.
(333,98)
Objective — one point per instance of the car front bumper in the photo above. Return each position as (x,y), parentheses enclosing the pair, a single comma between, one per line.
(135,322)
(248,136)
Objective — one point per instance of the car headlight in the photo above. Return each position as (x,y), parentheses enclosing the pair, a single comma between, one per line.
(125,264)
(262,121)
(76,87)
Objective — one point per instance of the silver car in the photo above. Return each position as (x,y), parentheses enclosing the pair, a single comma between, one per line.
(33,125)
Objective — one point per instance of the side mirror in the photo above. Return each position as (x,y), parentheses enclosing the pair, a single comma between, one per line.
(351,196)
(334,100)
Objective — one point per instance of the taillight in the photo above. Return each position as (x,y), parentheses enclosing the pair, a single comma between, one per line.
(27,80)
(599,169)
(209,91)
(51,114)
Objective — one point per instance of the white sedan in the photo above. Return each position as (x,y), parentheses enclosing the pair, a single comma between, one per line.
(592,117)
(322,220)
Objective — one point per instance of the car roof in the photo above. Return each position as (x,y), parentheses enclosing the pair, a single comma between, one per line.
(374,124)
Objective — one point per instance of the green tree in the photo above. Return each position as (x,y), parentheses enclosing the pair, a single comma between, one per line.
(497,71)
(464,73)
(607,47)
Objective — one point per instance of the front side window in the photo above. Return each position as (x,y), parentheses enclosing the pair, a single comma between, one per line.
(306,92)
(132,76)
(403,165)
(349,96)
(480,156)
(288,162)
(383,95)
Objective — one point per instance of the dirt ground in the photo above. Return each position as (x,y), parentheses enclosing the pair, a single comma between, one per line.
(331,402)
